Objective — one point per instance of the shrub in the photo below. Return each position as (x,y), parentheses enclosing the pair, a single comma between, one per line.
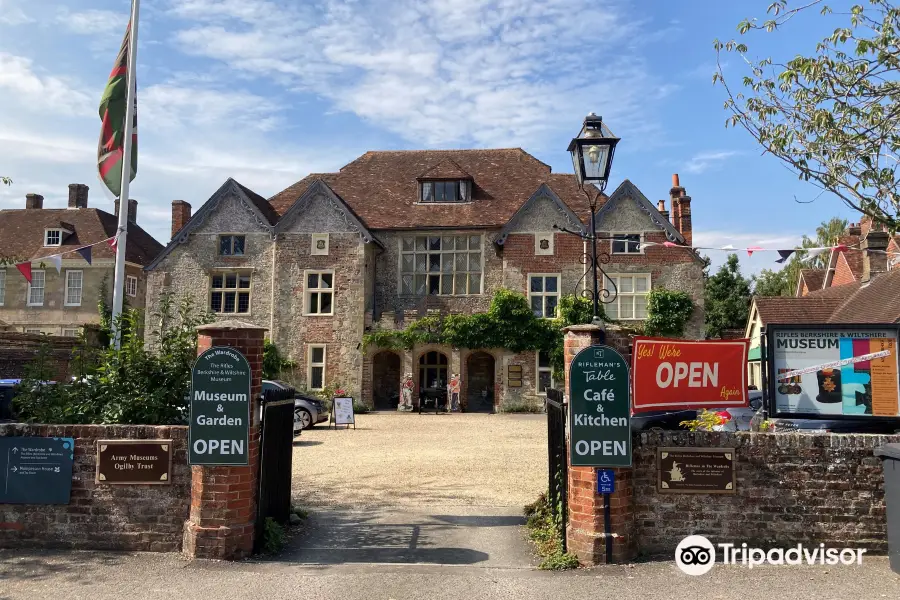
(522,406)
(543,530)
(131,385)
(273,537)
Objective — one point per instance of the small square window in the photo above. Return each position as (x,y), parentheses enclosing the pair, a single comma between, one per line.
(53,237)
(629,243)
(230,293)
(231,245)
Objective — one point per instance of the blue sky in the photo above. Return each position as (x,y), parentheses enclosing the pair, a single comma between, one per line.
(267,91)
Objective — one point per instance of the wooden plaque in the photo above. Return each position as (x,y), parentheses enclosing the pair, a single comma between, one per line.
(696,470)
(134,462)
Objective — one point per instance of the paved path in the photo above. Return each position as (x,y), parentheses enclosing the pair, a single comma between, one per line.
(419,489)
(99,576)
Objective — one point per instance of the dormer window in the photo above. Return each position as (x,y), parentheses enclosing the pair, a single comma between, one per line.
(445,191)
(53,237)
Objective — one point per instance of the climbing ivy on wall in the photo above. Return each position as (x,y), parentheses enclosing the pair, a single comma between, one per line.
(668,312)
(508,323)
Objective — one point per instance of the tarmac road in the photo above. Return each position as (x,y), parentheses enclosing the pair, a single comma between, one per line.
(40,575)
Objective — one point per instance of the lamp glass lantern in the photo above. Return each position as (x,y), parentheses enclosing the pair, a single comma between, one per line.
(592,152)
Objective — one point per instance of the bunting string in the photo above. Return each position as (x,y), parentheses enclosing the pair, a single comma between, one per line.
(24,267)
(783,253)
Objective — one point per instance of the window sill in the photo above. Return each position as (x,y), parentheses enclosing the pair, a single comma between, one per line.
(417,297)
(234,314)
(35,305)
(420,203)
(67,305)
(317,314)
(627,253)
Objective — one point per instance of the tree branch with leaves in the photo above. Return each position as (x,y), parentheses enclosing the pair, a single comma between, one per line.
(832,117)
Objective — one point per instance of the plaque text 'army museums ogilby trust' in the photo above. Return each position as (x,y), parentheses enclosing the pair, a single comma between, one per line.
(144,462)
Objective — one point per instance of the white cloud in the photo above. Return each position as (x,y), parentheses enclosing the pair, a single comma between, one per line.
(442,72)
(32,91)
(704,160)
(173,106)
(10,14)
(93,21)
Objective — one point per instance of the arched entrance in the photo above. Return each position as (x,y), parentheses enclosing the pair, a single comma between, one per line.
(386,380)
(480,382)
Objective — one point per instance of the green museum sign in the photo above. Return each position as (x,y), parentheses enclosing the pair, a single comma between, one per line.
(220,408)
(599,409)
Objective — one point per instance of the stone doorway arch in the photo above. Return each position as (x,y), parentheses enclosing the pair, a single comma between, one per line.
(480,376)
(386,374)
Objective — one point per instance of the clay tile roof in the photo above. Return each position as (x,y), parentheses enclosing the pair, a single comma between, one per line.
(261,203)
(22,234)
(383,189)
(814,278)
(854,261)
(446,169)
(837,291)
(796,310)
(877,301)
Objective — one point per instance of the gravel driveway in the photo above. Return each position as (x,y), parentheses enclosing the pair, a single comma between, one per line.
(395,459)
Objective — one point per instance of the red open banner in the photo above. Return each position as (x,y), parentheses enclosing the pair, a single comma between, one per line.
(685,374)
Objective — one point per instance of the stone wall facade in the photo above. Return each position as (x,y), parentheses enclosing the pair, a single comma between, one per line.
(101,516)
(55,316)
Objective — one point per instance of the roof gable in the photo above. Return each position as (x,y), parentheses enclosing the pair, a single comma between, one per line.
(814,279)
(628,190)
(446,169)
(253,203)
(318,189)
(567,218)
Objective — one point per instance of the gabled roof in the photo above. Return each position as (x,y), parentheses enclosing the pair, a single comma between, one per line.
(628,190)
(446,169)
(317,188)
(22,234)
(255,204)
(567,218)
(814,278)
(382,188)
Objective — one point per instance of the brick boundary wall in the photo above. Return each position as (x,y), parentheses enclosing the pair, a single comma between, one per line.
(18,350)
(100,516)
(791,488)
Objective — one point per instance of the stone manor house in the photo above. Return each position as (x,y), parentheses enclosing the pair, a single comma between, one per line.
(394,236)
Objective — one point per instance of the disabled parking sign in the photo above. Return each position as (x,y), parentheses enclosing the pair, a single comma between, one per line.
(606,481)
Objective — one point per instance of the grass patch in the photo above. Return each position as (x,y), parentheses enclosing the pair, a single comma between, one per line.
(274,537)
(544,533)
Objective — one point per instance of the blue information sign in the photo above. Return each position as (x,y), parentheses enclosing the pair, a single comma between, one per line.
(606,481)
(36,470)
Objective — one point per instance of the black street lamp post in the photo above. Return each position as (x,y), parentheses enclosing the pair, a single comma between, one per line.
(592,155)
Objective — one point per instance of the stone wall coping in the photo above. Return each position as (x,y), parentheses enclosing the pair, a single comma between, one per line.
(94,431)
(721,439)
(582,328)
(230,324)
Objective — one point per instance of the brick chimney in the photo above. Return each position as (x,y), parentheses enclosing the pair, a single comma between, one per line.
(876,261)
(661,207)
(681,210)
(34,202)
(181,214)
(78,195)
(132,209)
(854,229)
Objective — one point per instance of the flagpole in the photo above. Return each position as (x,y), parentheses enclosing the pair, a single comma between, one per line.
(122,232)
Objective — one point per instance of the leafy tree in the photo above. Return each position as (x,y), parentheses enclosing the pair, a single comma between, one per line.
(668,312)
(832,117)
(773,283)
(727,299)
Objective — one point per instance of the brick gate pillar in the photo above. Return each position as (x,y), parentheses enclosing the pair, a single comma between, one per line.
(223,499)
(585,531)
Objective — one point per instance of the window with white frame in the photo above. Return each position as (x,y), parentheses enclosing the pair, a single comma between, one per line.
(543,294)
(626,243)
(544,372)
(631,296)
(74,284)
(71,332)
(440,265)
(453,190)
(315,375)
(36,289)
(2,286)
(229,293)
(318,293)
(30,330)
(131,285)
(53,237)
